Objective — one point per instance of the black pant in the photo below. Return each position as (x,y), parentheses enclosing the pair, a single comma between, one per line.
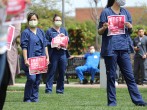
(4,85)
(139,69)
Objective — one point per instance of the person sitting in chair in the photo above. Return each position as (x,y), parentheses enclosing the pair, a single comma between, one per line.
(90,66)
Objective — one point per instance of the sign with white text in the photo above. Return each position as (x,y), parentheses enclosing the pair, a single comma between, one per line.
(116,25)
(60,40)
(37,65)
(15,12)
(15,7)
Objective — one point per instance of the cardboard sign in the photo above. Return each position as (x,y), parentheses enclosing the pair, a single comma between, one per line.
(116,25)
(60,40)
(10,36)
(38,65)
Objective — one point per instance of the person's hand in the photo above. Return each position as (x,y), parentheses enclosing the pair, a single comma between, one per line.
(144,56)
(62,35)
(136,48)
(129,25)
(58,48)
(27,63)
(105,25)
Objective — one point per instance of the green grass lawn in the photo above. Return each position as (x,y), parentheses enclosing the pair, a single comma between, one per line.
(72,99)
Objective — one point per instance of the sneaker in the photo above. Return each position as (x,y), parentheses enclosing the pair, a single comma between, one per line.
(85,81)
(143,104)
(91,82)
(116,83)
(48,92)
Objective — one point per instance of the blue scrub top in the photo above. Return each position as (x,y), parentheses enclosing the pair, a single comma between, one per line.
(115,42)
(34,44)
(50,34)
(92,59)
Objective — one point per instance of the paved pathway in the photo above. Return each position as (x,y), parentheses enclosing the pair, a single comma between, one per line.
(74,84)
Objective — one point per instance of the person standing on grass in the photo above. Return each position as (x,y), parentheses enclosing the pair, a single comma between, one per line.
(33,44)
(116,46)
(58,57)
(140,47)
(5,74)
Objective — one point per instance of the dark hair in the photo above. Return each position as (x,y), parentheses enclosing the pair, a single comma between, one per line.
(55,17)
(140,29)
(110,3)
(30,15)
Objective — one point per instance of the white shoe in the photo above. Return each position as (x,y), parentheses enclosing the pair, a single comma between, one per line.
(116,83)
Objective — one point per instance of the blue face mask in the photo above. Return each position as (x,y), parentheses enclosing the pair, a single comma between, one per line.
(121,2)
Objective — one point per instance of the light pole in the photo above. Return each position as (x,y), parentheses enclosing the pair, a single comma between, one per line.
(63,14)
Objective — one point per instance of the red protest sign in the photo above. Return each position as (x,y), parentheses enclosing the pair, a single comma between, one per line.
(116,25)
(37,65)
(60,40)
(10,36)
(15,6)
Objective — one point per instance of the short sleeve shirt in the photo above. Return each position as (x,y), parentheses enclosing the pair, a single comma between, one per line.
(114,42)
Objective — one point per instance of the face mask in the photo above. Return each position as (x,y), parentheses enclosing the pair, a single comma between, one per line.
(121,2)
(33,24)
(92,50)
(58,23)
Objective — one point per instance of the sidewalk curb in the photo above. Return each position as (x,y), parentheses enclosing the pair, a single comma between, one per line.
(80,85)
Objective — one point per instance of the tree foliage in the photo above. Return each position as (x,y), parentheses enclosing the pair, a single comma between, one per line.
(81,35)
(135,29)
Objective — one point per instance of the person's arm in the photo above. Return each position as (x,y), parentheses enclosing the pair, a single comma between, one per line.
(46,48)
(24,52)
(128,24)
(48,38)
(102,29)
(103,25)
(135,45)
(47,55)
(79,56)
(24,45)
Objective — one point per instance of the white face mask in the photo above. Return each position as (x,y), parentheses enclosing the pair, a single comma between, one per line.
(92,50)
(58,23)
(121,2)
(33,23)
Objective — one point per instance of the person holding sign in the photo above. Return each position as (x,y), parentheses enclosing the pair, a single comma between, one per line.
(5,73)
(115,26)
(33,43)
(58,54)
